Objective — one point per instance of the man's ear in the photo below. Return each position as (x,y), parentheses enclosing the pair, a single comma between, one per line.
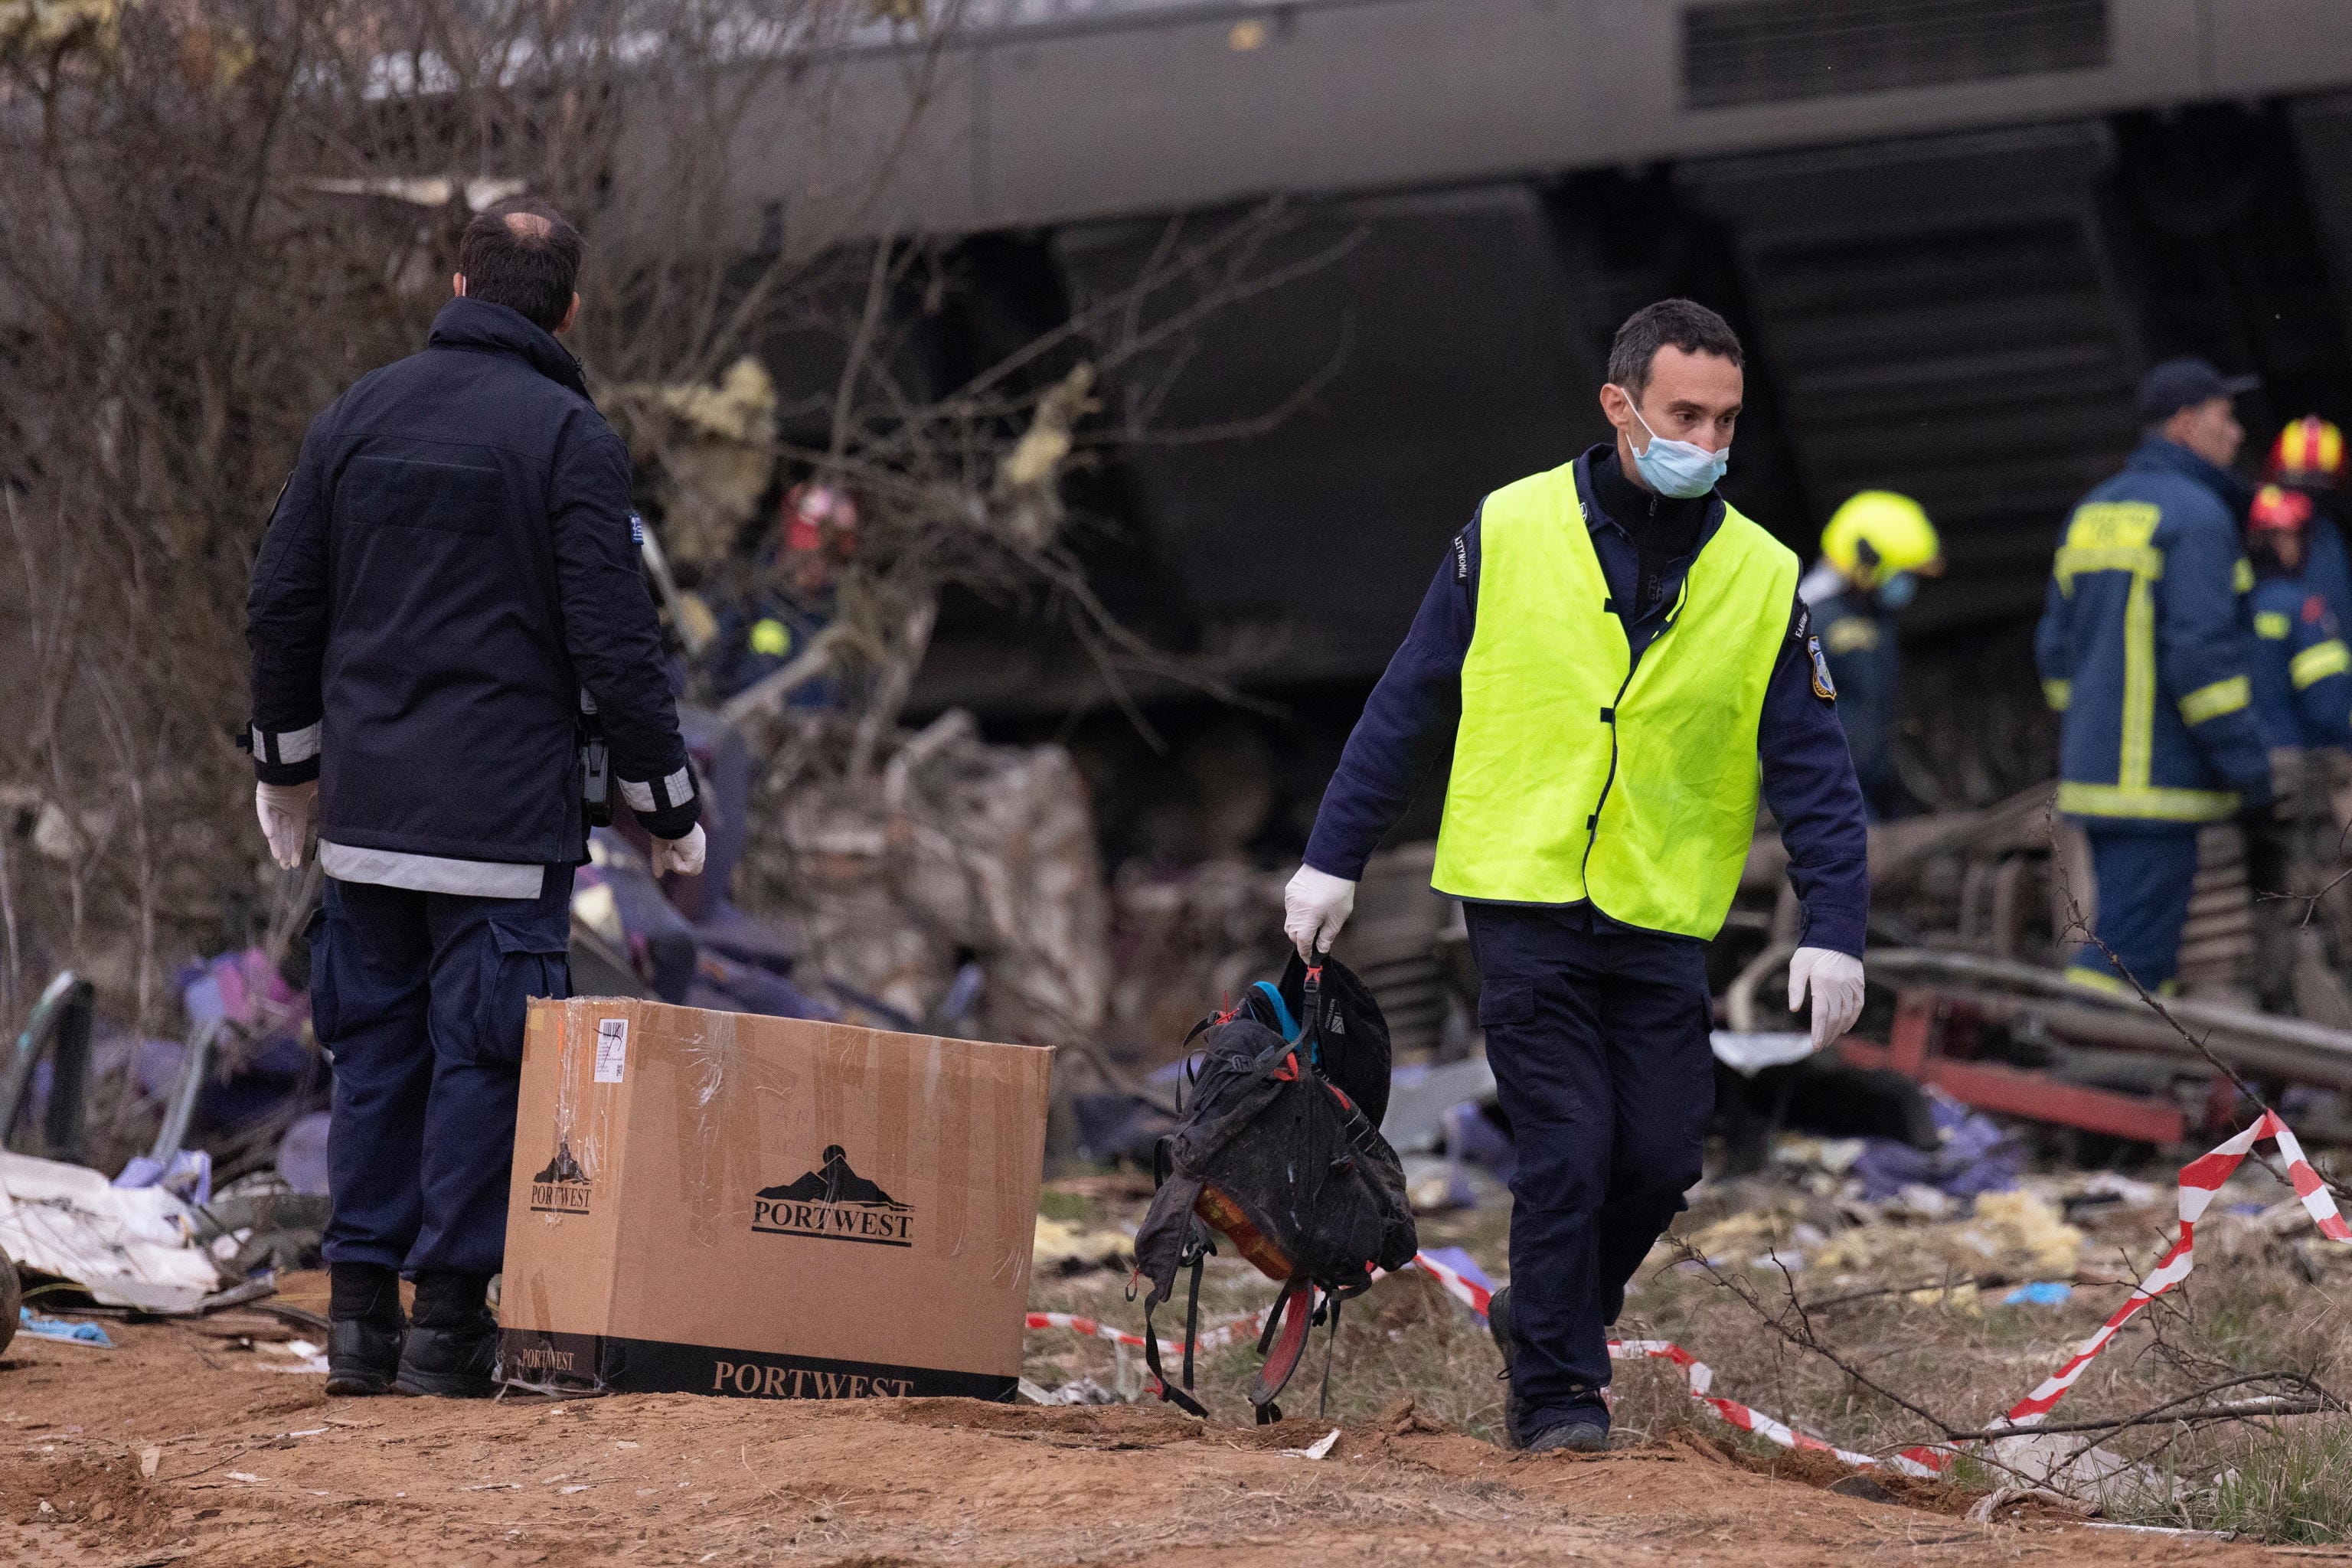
(1615,405)
(457,285)
(570,316)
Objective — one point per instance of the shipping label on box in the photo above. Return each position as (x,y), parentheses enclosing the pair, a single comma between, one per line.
(715,1203)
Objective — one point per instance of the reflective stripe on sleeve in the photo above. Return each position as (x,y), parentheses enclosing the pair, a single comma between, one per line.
(2058,694)
(2271,626)
(659,794)
(2241,577)
(284,746)
(2212,701)
(2319,661)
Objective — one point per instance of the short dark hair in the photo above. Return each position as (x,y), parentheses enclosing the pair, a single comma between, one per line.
(1685,323)
(524,255)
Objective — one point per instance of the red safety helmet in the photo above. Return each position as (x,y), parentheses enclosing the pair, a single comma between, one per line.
(2278,510)
(2310,451)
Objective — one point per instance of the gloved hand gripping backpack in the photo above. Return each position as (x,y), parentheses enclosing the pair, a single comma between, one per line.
(1280,1152)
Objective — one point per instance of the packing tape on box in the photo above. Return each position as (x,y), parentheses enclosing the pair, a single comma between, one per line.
(2199,1180)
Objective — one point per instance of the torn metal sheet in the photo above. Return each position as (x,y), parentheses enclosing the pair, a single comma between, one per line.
(128,1246)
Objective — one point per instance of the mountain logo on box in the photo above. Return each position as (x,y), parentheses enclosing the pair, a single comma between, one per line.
(563,1187)
(834,1203)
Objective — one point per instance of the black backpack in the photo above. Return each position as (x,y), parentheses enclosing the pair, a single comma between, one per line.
(1279,1151)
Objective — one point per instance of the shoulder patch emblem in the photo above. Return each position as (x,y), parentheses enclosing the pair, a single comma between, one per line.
(1801,625)
(1823,687)
(636,530)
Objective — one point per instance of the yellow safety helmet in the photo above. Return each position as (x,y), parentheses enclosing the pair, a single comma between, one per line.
(2310,451)
(1896,530)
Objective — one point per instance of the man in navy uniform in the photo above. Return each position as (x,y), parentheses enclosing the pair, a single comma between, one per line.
(1624,668)
(450,577)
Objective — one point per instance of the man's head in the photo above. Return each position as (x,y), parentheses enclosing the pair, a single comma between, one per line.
(524,255)
(2275,528)
(2188,402)
(1675,374)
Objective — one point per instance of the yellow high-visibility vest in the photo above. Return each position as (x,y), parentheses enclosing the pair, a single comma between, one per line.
(1572,780)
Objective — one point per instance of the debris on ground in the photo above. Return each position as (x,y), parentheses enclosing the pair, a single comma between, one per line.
(61,1331)
(126,1247)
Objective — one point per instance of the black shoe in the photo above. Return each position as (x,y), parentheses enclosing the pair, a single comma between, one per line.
(363,1355)
(1499,1324)
(455,1362)
(1571,1437)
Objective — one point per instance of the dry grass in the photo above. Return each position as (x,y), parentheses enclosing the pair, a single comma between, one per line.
(2263,1300)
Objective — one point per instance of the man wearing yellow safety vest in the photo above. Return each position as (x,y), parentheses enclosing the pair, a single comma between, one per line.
(1613,651)
(2145,652)
(1874,550)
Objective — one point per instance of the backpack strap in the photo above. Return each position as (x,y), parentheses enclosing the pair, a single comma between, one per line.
(1310,1001)
(1285,1024)
(1285,1342)
(1180,1397)
(1331,1350)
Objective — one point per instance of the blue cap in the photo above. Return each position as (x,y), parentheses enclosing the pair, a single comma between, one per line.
(2185,383)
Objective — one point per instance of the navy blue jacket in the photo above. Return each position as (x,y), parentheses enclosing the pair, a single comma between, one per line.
(1412,712)
(452,561)
(2144,647)
(2302,692)
(2325,566)
(1858,638)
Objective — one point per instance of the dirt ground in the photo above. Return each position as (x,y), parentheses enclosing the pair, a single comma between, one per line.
(179,1448)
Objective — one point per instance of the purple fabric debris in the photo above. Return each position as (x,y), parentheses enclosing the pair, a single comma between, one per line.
(1976,1155)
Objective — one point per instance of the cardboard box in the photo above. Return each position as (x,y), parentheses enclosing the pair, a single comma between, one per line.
(714,1203)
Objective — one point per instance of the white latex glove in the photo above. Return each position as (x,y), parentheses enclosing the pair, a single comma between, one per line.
(1314,907)
(1836,981)
(286,811)
(683,856)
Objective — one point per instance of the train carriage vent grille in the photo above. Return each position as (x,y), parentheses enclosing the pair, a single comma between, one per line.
(1771,51)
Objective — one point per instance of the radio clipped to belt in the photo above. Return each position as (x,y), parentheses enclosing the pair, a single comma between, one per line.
(595,766)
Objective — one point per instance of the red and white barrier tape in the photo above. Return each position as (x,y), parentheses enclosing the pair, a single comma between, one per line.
(1213,1338)
(1696,1373)
(1701,1378)
(2199,1180)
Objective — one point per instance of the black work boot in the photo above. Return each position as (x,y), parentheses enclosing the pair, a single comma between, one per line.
(453,1346)
(1499,1324)
(1585,1427)
(363,1329)
(1571,1437)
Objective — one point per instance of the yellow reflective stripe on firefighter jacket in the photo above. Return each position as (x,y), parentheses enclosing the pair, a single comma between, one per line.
(1576,779)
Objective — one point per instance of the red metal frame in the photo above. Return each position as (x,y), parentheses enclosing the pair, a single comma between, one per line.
(1913,1048)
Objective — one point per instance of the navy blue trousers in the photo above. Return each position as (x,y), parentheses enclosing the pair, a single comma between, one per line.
(1599,1043)
(419,999)
(2145,877)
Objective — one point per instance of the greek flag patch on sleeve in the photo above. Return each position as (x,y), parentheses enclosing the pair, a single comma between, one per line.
(1823,687)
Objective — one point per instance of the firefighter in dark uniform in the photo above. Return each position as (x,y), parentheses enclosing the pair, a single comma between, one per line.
(2144,653)
(1874,550)
(452,566)
(1623,665)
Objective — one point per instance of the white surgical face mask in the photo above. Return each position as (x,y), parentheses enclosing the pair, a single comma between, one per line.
(1683,469)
